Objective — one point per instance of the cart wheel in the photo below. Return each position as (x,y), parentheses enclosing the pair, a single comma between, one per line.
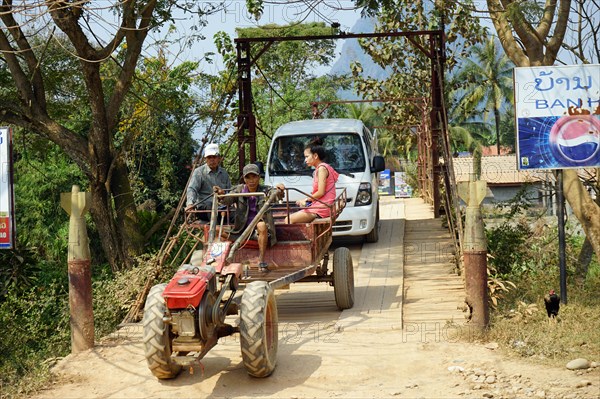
(373,235)
(258,329)
(343,278)
(157,336)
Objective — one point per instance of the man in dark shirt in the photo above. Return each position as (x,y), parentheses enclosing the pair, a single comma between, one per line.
(247,208)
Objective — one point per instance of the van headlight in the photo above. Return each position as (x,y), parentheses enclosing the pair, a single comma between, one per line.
(364,196)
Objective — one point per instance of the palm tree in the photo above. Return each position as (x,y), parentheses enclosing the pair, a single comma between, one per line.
(485,82)
(462,137)
(364,112)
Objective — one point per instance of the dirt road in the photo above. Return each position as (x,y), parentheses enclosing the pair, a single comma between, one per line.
(365,352)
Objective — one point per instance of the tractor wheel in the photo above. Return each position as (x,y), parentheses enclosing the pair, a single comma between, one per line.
(258,329)
(343,278)
(373,235)
(157,336)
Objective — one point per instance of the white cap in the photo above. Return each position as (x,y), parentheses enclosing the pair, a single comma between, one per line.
(211,149)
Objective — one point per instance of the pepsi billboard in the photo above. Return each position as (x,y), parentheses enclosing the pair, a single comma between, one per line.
(7,210)
(557,111)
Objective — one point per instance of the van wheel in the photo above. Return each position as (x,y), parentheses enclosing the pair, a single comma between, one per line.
(373,235)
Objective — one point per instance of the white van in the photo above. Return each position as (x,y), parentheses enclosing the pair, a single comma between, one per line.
(351,150)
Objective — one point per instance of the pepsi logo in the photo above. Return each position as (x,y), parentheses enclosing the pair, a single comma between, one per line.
(575,139)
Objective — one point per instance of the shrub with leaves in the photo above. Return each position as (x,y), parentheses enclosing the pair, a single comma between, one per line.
(115,294)
(523,312)
(497,287)
(35,326)
(506,245)
(506,241)
(18,270)
(519,321)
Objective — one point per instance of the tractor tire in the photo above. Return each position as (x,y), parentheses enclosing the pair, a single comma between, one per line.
(157,336)
(259,329)
(373,235)
(343,278)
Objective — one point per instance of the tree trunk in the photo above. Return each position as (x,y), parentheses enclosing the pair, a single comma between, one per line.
(584,208)
(110,236)
(127,218)
(497,121)
(583,261)
(114,211)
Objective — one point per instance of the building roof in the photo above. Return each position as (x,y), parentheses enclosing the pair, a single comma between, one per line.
(497,170)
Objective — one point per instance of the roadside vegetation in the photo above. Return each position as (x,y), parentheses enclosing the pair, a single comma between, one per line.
(523,265)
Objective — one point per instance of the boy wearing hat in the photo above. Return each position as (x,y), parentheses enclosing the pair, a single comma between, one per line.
(248,207)
(204,178)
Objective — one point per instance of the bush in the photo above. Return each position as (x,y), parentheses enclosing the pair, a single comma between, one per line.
(35,323)
(520,322)
(506,246)
(35,327)
(115,294)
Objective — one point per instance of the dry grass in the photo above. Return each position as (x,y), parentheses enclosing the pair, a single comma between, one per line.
(523,328)
(575,334)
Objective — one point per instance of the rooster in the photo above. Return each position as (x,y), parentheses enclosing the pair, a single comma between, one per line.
(552,302)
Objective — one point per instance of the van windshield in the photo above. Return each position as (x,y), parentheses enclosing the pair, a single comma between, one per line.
(344,154)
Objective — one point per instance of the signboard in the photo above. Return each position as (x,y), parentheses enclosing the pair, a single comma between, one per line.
(385,182)
(6,190)
(401,187)
(558,116)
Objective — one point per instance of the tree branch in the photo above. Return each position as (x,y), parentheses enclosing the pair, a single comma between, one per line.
(67,19)
(19,76)
(37,82)
(545,24)
(511,48)
(135,38)
(532,42)
(559,32)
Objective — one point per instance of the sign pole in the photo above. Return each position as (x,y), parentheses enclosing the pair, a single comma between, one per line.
(561,235)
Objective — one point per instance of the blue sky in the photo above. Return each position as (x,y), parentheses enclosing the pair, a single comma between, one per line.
(234,15)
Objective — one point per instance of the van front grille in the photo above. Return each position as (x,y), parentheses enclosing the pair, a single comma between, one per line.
(342,226)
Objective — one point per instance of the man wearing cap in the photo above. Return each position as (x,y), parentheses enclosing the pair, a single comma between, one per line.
(248,207)
(204,178)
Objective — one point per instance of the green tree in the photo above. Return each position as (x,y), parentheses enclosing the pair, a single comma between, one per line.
(65,83)
(463,139)
(486,83)
(532,35)
(409,83)
(91,146)
(366,113)
(156,124)
(284,82)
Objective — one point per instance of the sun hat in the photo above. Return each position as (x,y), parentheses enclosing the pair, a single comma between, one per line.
(211,150)
(250,168)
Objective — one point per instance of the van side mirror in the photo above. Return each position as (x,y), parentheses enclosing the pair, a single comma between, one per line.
(378,164)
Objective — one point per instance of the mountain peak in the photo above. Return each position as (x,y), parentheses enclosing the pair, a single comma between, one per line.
(353,52)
